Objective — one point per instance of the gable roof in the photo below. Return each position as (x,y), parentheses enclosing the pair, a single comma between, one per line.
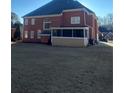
(57,7)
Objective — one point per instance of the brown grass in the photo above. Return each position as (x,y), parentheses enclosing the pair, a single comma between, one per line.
(38,68)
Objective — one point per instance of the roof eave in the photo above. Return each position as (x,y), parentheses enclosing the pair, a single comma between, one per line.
(67,10)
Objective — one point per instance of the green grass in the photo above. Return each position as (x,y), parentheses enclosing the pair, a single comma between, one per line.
(38,68)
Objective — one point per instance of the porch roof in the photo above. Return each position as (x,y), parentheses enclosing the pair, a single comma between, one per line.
(69,28)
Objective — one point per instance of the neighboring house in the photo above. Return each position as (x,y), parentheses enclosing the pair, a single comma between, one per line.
(61,23)
(108,35)
(105,34)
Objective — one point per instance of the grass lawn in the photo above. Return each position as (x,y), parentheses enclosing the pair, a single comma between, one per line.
(38,68)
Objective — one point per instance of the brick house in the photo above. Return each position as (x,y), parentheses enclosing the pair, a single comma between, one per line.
(61,23)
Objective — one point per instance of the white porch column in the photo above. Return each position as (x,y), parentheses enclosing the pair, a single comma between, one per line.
(88,33)
(72,33)
(51,32)
(61,33)
(84,32)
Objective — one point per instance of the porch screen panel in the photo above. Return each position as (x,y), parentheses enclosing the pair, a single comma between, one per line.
(78,33)
(67,33)
(57,32)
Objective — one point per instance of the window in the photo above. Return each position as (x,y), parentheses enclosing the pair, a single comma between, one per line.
(70,33)
(38,34)
(63,33)
(78,33)
(32,34)
(26,21)
(33,21)
(75,20)
(67,33)
(57,32)
(26,34)
(46,25)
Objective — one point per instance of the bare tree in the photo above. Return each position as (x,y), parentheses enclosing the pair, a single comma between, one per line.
(14,18)
(106,20)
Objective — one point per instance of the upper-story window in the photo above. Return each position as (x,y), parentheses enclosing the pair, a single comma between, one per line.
(33,21)
(75,20)
(26,21)
(46,24)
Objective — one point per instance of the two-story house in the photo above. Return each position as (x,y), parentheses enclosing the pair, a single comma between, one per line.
(61,23)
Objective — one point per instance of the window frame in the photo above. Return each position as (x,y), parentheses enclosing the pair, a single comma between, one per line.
(26,34)
(67,33)
(38,34)
(78,33)
(26,21)
(46,22)
(57,33)
(32,34)
(75,20)
(75,33)
(33,21)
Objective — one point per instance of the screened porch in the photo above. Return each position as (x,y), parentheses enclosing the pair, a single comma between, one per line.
(70,36)
(75,32)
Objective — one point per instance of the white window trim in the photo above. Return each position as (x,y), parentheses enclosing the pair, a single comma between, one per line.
(75,20)
(69,28)
(55,15)
(32,21)
(38,34)
(44,25)
(31,34)
(26,34)
(26,21)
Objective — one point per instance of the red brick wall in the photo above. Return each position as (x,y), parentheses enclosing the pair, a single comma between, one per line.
(55,22)
(63,21)
(95,27)
(45,39)
(91,21)
(38,25)
(67,19)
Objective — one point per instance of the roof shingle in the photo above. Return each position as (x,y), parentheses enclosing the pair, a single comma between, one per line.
(56,7)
